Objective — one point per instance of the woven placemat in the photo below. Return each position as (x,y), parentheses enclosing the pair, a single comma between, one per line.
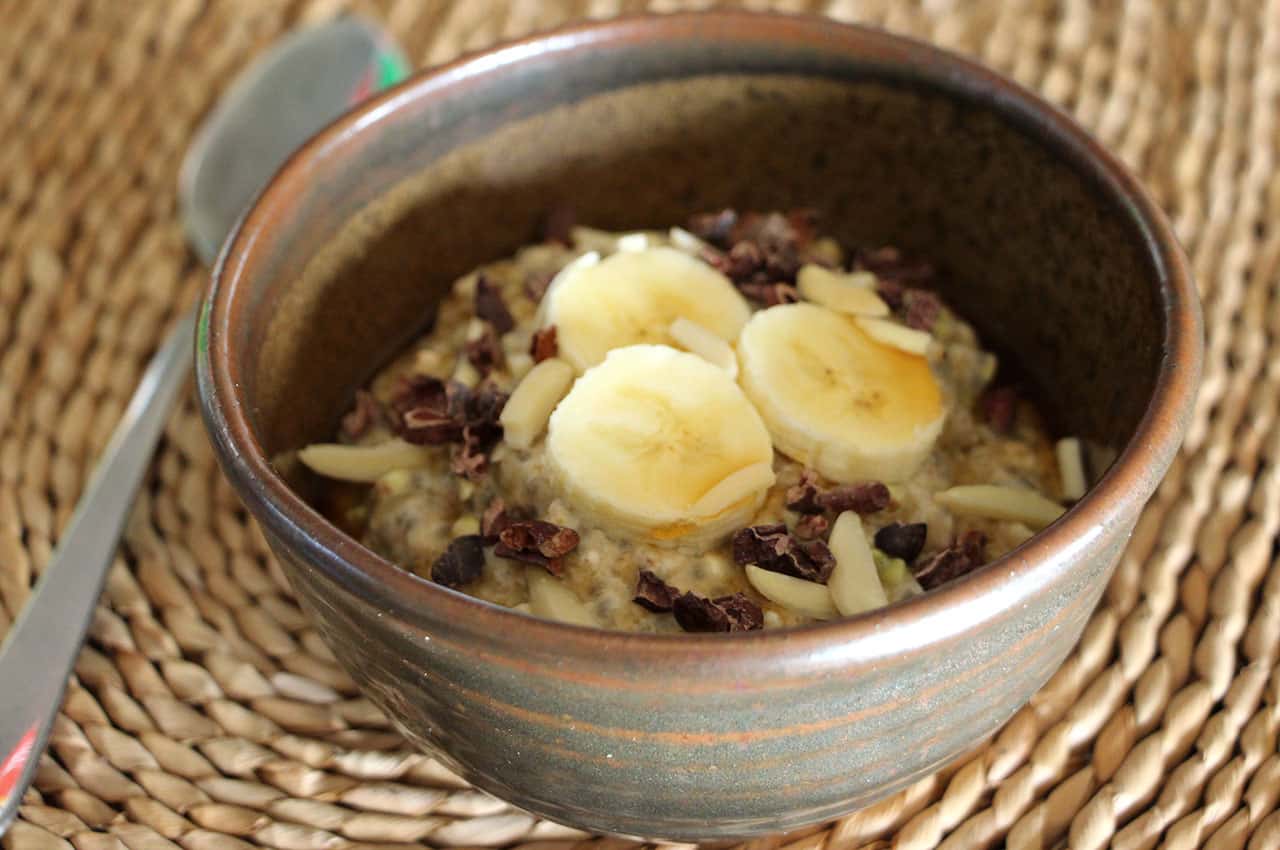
(205,713)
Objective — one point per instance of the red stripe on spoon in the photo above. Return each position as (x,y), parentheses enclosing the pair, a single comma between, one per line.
(13,764)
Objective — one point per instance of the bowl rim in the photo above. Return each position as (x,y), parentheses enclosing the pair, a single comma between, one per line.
(902,629)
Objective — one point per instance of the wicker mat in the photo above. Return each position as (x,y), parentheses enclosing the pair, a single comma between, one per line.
(206,714)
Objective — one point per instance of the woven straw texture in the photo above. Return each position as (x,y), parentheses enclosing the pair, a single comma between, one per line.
(206,714)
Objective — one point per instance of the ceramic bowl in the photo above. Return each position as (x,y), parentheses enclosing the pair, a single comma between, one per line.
(1042,239)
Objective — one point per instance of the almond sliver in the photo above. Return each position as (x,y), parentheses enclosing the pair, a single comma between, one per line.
(855,583)
(633,242)
(525,415)
(895,335)
(996,502)
(683,240)
(364,464)
(807,598)
(697,339)
(851,293)
(592,239)
(811,272)
(552,599)
(730,491)
(1071,468)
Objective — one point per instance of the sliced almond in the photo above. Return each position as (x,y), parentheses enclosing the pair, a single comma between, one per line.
(524,417)
(592,239)
(552,599)
(632,242)
(895,335)
(519,365)
(807,598)
(683,240)
(746,482)
(996,502)
(855,583)
(829,251)
(845,293)
(364,464)
(811,273)
(1071,468)
(697,339)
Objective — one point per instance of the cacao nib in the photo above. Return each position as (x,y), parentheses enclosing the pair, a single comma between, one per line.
(490,306)
(744,615)
(427,426)
(480,431)
(495,518)
(745,261)
(812,527)
(461,562)
(999,408)
(779,243)
(654,593)
(484,352)
(891,293)
(865,498)
(543,345)
(364,415)
(470,458)
(902,540)
(803,224)
(770,294)
(535,541)
(888,263)
(535,285)
(802,497)
(734,613)
(961,557)
(482,406)
(431,412)
(770,547)
(417,391)
(921,309)
(714,227)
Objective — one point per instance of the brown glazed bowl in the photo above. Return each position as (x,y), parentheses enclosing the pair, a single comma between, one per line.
(1067,267)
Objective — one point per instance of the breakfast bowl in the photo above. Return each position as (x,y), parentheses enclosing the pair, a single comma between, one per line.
(1069,271)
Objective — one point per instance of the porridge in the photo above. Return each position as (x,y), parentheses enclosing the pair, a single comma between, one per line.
(727,427)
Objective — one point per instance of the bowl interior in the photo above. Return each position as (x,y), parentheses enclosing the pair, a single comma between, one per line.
(1029,248)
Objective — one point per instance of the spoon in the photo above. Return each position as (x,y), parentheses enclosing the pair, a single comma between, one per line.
(301,84)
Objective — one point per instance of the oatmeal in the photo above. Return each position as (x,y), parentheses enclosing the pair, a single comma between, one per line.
(722,428)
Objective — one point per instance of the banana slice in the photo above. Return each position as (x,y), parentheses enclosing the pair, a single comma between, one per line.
(633,297)
(834,398)
(658,445)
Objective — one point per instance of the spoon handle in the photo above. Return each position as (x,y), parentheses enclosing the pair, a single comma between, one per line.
(41,647)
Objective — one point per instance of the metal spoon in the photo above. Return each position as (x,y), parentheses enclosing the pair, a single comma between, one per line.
(304,82)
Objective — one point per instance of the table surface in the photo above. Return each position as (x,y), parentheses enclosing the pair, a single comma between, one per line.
(206,714)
